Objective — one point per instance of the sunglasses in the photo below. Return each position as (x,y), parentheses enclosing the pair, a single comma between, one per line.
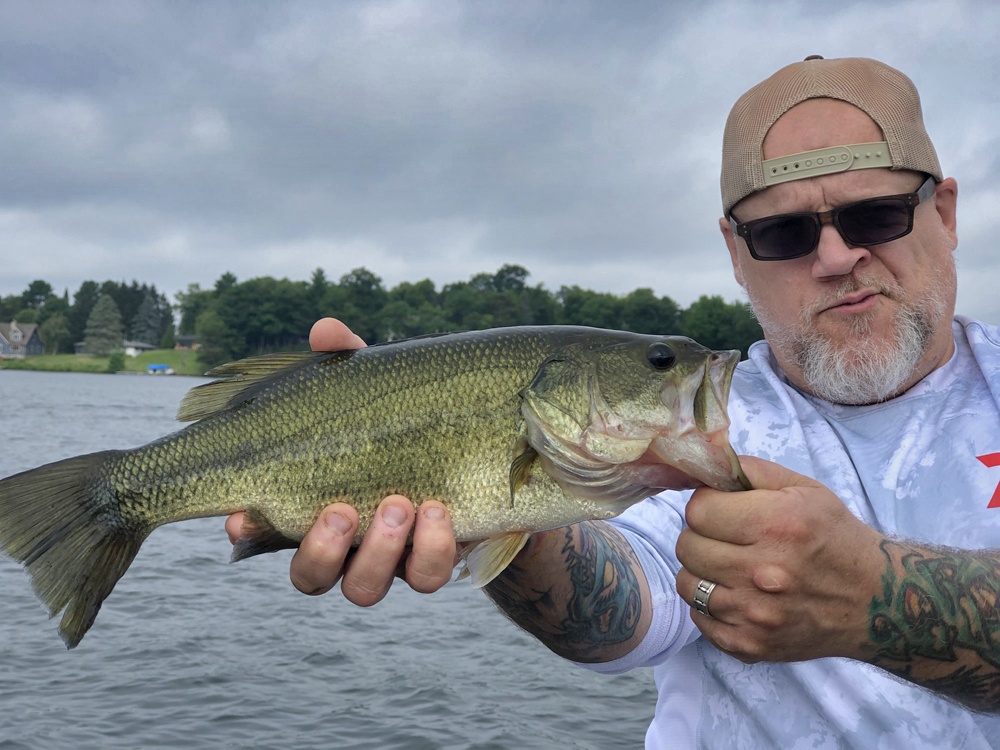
(868,222)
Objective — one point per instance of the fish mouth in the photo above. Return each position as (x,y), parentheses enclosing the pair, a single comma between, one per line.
(699,445)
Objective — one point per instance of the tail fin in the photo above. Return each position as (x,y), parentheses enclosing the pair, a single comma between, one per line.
(62,521)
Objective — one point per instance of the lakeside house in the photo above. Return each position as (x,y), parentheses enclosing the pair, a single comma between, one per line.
(20,340)
(135,348)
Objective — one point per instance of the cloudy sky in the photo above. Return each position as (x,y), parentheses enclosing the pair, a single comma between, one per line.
(169,142)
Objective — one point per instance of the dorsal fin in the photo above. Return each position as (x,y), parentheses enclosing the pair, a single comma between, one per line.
(242,379)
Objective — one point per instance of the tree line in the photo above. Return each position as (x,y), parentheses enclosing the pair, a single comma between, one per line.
(236,318)
(103,315)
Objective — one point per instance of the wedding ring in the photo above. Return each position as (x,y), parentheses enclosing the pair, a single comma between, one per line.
(701,594)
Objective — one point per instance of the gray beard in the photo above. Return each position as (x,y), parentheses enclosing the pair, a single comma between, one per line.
(875,372)
(872,370)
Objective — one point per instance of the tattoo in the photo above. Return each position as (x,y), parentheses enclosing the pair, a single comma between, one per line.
(944,607)
(583,608)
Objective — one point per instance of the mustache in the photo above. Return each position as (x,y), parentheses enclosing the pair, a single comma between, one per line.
(853,284)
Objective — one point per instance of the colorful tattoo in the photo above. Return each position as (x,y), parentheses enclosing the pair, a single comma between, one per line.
(601,608)
(944,607)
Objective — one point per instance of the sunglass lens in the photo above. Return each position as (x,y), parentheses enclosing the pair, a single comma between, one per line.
(786,236)
(876,221)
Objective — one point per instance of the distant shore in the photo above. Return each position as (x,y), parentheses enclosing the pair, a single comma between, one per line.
(181,361)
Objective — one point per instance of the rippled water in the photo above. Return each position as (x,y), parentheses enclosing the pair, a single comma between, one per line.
(190,651)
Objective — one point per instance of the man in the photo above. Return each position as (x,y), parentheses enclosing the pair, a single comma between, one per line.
(873,420)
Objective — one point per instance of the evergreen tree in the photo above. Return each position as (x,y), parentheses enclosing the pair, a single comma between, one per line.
(104,333)
(83,304)
(145,326)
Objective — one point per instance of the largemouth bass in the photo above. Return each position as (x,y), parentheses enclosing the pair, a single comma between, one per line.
(517,430)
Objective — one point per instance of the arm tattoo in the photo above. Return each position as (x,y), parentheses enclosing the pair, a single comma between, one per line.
(589,604)
(941,606)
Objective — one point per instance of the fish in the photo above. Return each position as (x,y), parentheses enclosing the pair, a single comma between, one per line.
(516,430)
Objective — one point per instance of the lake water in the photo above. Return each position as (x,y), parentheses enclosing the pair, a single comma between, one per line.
(190,651)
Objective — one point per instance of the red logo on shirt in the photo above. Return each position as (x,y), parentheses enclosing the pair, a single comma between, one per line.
(991,460)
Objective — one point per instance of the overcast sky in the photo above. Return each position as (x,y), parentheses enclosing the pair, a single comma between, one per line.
(169,142)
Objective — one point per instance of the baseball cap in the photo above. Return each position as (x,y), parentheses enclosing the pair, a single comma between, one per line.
(885,94)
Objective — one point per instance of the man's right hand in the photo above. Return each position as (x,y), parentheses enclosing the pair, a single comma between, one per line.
(326,554)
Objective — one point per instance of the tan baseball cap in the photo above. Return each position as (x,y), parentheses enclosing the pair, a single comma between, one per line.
(885,94)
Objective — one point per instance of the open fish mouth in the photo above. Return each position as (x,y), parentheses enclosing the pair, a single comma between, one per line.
(697,443)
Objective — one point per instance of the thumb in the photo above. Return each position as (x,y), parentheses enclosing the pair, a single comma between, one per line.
(767,475)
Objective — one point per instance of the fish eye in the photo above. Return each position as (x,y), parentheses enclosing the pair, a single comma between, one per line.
(661,356)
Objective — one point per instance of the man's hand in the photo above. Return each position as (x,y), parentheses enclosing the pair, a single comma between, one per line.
(795,570)
(326,555)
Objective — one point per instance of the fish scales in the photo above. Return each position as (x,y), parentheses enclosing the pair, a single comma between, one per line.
(516,430)
(442,426)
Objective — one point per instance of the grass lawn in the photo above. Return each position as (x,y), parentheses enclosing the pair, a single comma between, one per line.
(182,362)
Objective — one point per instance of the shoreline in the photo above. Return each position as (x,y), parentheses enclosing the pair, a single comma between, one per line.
(182,362)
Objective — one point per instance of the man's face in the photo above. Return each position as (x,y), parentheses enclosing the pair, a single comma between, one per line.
(850,324)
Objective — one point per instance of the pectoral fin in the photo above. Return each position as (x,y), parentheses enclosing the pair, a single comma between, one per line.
(520,467)
(488,559)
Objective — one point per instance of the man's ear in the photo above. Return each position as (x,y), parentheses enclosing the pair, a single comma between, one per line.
(946,205)
(734,252)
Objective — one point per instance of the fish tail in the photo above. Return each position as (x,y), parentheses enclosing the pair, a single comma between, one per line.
(63,523)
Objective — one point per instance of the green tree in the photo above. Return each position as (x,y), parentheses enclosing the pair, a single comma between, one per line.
(192,304)
(644,312)
(510,278)
(717,324)
(55,333)
(9,306)
(83,304)
(583,307)
(466,305)
(104,333)
(359,298)
(265,314)
(55,306)
(218,343)
(224,282)
(37,294)
(116,361)
(319,285)
(26,315)
(146,325)
(168,340)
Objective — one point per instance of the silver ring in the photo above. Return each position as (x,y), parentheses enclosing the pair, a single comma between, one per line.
(701,594)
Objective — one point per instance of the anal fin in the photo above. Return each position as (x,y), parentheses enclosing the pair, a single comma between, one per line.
(259,536)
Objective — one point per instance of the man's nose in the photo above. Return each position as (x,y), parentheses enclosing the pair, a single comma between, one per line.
(834,256)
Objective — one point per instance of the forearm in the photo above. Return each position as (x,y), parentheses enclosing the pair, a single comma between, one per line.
(936,621)
(580,590)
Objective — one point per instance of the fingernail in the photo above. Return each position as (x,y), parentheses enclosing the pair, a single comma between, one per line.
(337,523)
(393,516)
(434,512)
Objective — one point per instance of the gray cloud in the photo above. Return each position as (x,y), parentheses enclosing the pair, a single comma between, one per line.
(171,142)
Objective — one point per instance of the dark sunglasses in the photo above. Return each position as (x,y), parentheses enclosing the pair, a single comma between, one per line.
(868,222)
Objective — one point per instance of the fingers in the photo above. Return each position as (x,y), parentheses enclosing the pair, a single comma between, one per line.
(319,560)
(740,517)
(330,335)
(435,552)
(373,566)
(767,475)
(325,554)
(234,527)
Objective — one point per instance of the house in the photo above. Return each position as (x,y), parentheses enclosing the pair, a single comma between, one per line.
(135,348)
(20,340)
(187,341)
